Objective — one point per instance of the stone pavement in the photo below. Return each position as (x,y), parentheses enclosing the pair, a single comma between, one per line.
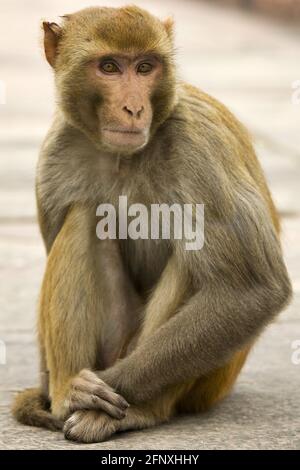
(249,63)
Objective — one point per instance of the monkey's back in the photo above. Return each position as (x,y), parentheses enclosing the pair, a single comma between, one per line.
(211,126)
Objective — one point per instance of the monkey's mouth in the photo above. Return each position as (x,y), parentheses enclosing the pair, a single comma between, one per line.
(126,138)
(125,131)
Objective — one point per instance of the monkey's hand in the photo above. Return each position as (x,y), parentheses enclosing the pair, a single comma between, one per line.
(88,392)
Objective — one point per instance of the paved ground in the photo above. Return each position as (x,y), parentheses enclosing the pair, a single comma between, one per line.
(250,64)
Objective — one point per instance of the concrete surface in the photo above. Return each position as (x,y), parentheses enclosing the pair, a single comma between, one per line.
(250,64)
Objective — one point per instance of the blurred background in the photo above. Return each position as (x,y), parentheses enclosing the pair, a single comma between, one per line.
(247,54)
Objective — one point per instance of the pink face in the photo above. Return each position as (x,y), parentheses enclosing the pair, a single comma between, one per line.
(125,84)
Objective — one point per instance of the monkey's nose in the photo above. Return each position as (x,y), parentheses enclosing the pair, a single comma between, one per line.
(133,111)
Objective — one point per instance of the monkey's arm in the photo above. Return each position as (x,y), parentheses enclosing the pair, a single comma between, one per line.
(61,177)
(242,284)
(49,226)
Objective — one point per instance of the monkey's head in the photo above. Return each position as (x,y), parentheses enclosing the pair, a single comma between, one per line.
(114,74)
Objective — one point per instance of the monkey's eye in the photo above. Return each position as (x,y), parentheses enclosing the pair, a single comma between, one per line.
(144,68)
(109,67)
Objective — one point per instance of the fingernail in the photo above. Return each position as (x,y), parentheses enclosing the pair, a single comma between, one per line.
(124,404)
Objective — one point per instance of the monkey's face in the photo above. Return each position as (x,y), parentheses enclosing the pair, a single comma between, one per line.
(126,84)
(114,74)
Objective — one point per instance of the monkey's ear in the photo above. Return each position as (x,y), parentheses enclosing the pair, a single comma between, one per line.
(169,27)
(52,35)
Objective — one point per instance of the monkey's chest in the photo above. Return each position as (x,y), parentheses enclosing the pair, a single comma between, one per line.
(145,260)
(129,216)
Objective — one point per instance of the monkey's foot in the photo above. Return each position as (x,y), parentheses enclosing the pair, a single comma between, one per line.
(89,426)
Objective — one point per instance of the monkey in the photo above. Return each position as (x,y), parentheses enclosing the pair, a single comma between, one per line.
(132,332)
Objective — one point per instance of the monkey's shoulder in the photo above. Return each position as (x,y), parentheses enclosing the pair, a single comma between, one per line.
(66,168)
(204,117)
(60,138)
(207,135)
(212,151)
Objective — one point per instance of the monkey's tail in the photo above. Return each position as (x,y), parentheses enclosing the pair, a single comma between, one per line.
(31,407)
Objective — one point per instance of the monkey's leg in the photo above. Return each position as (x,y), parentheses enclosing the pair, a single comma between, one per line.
(69,321)
(209,390)
(73,316)
(90,310)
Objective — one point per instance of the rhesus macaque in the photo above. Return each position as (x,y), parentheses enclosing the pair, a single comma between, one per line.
(144,323)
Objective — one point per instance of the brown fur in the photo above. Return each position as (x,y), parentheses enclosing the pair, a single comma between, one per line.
(147,321)
(31,407)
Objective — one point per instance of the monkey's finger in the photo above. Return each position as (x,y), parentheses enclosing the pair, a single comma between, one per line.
(112,397)
(100,389)
(101,392)
(91,377)
(83,401)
